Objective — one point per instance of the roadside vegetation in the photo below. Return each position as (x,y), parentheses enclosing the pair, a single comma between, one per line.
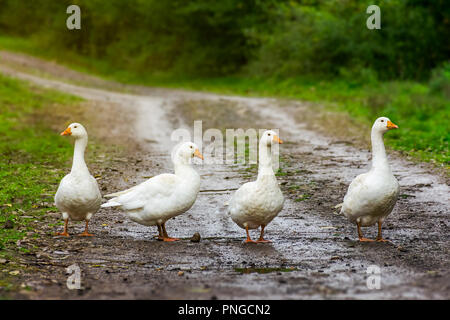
(32,157)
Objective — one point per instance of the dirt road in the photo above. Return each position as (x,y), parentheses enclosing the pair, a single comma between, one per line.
(314,253)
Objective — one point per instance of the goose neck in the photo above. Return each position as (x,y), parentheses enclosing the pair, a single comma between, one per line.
(79,165)
(265,161)
(379,157)
(182,166)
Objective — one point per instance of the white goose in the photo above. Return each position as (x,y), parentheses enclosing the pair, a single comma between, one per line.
(257,203)
(78,196)
(162,197)
(371,196)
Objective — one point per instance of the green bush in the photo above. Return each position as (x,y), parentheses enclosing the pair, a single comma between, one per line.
(330,38)
(440,80)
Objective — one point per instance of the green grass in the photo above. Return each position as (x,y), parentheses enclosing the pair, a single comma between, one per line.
(31,156)
(303,197)
(422,115)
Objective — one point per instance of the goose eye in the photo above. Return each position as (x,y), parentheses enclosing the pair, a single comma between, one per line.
(382,120)
(269,134)
(75,126)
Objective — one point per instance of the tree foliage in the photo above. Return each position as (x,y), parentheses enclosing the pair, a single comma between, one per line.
(263,37)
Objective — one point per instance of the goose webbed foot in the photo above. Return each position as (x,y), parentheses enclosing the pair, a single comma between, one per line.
(360,235)
(163,236)
(248,240)
(169,239)
(86,232)
(64,233)
(380,237)
(261,237)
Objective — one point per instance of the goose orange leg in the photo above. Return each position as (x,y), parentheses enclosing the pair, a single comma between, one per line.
(261,237)
(166,236)
(379,236)
(86,233)
(64,233)
(360,235)
(160,233)
(249,240)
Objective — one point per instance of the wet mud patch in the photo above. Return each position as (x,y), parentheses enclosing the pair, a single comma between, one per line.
(218,113)
(263,270)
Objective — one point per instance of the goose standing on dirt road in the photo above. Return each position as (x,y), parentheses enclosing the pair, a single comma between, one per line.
(257,203)
(162,197)
(78,195)
(371,196)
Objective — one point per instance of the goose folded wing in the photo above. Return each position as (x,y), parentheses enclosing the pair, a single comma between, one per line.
(157,188)
(356,185)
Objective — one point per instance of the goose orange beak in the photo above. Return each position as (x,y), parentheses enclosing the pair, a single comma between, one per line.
(391,125)
(198,154)
(66,132)
(277,139)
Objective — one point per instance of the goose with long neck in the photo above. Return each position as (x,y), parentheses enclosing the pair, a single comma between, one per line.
(255,204)
(371,196)
(164,196)
(78,196)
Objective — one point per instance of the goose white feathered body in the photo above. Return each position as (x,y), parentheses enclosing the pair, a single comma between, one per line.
(371,196)
(78,195)
(258,202)
(162,197)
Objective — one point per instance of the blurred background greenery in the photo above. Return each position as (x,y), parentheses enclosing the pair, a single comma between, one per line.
(282,38)
(315,50)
